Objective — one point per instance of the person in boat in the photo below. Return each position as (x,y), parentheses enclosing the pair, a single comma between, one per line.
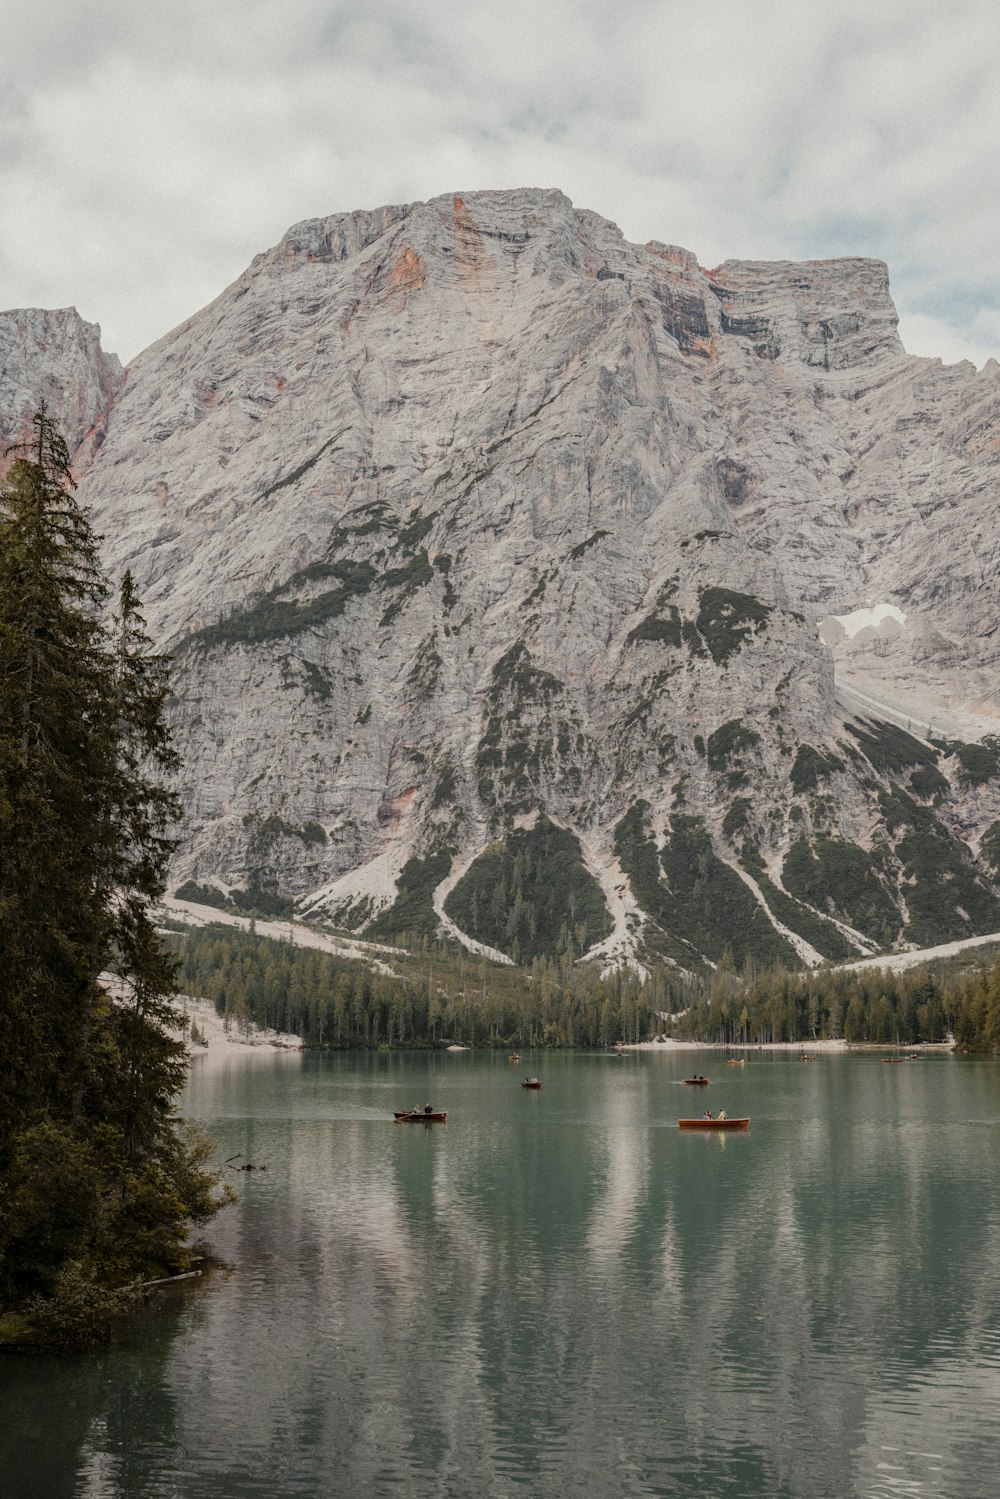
(721,1114)
(428,1109)
(708,1114)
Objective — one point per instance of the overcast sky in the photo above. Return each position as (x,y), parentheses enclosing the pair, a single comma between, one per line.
(148,152)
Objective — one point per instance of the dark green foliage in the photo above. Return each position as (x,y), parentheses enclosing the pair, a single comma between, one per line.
(928,782)
(823,935)
(737,819)
(584,546)
(445,792)
(79,1312)
(989,846)
(836,876)
(811,767)
(727,620)
(202,895)
(313,679)
(265,831)
(416,531)
(412,913)
(701,907)
(530,895)
(259,900)
(253,902)
(303,468)
(426,670)
(92,1169)
(730,742)
(663,627)
(635,849)
(868,1006)
(979,762)
(416,573)
(890,750)
(524,740)
(273,617)
(434,997)
(945,896)
(705,901)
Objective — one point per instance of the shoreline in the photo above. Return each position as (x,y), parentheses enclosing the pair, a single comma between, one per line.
(248,1040)
(803,1047)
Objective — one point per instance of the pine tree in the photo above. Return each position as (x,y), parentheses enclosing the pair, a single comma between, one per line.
(93,1171)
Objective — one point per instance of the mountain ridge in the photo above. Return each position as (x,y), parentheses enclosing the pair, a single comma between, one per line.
(465,513)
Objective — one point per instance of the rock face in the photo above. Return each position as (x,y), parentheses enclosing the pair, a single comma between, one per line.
(57,358)
(469,520)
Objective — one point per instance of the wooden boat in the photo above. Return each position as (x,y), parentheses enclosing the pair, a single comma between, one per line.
(713,1124)
(893,1060)
(696,1082)
(531,1082)
(420,1116)
(514,1057)
(736,1061)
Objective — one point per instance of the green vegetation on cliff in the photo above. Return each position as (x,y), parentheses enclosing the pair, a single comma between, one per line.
(530,895)
(701,906)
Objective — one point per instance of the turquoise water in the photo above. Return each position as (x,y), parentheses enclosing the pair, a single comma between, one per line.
(559,1293)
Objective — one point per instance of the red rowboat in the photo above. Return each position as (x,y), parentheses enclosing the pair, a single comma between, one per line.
(420,1116)
(713,1124)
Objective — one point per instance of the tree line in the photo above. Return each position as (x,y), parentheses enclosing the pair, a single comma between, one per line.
(438,997)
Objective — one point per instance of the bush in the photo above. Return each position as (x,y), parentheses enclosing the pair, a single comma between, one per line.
(79,1313)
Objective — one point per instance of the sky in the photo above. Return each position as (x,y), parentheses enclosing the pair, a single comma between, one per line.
(148,152)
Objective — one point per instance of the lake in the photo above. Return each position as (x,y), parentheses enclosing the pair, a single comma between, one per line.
(559,1293)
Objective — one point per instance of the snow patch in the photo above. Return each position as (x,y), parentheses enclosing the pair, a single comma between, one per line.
(868,619)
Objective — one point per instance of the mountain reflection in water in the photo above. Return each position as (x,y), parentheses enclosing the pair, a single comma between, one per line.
(559,1292)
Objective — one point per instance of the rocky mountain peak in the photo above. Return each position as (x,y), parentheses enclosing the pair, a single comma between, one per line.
(495,550)
(56,357)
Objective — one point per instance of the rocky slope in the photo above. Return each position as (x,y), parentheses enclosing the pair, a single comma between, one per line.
(57,358)
(502,556)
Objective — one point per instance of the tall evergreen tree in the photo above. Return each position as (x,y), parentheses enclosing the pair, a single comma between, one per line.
(92,1167)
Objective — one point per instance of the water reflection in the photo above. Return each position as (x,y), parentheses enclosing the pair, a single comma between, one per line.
(560,1291)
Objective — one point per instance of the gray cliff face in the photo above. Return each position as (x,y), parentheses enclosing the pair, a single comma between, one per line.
(57,358)
(464,512)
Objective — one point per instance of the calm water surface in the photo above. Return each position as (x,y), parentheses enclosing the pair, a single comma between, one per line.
(557,1293)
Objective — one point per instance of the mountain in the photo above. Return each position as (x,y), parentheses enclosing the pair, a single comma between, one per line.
(560,594)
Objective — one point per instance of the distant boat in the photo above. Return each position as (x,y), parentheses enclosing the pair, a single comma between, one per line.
(713,1124)
(696,1082)
(515,1056)
(736,1061)
(893,1060)
(531,1082)
(420,1116)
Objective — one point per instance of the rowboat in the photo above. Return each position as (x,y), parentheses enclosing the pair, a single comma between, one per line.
(713,1124)
(419,1116)
(696,1082)
(531,1082)
(736,1061)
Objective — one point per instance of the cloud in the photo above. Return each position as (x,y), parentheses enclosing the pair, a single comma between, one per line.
(146,154)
